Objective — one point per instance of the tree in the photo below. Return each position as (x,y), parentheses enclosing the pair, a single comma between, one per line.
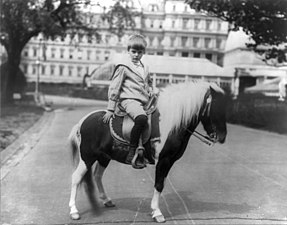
(120,17)
(23,19)
(265,21)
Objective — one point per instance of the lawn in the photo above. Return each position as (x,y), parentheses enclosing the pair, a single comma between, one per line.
(15,120)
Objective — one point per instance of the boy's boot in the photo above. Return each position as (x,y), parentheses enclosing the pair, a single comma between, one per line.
(132,158)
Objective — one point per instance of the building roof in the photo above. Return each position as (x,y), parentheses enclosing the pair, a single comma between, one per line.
(164,65)
(182,66)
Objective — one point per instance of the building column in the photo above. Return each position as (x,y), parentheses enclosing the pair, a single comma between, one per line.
(154,80)
(170,78)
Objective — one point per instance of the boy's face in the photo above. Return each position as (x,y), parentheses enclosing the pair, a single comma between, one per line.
(135,54)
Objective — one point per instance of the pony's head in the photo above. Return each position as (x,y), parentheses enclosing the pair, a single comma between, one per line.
(214,114)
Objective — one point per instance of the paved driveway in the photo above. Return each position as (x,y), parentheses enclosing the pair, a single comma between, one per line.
(241,182)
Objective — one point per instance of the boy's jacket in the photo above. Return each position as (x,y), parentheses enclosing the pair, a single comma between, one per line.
(128,83)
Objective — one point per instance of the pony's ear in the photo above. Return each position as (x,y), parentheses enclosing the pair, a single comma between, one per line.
(215,89)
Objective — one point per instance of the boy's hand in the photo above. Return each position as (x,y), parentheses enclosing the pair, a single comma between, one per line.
(108,116)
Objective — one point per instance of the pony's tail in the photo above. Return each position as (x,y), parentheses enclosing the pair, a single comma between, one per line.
(74,144)
(87,181)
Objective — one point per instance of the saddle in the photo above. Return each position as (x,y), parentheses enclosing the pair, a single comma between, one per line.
(122,124)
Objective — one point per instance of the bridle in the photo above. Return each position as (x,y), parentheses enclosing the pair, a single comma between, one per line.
(205,113)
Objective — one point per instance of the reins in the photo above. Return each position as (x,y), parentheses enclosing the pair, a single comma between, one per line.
(205,139)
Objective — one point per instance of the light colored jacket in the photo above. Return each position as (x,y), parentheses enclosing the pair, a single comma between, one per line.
(127,83)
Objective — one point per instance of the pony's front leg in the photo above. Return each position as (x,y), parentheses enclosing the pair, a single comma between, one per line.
(99,171)
(76,180)
(156,213)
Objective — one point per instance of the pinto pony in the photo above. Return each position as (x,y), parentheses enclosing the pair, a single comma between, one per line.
(181,106)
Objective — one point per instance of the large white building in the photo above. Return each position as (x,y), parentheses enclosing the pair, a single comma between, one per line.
(170,26)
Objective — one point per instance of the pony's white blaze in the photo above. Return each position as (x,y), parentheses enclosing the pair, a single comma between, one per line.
(178,104)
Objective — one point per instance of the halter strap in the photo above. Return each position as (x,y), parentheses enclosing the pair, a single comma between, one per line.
(207,105)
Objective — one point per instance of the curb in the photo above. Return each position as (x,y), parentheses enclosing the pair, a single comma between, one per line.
(12,155)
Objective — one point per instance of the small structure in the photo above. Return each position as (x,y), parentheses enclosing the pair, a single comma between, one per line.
(248,71)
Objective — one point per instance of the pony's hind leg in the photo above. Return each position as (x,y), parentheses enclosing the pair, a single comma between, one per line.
(99,171)
(76,180)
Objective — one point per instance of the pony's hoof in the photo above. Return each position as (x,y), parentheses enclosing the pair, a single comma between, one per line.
(159,219)
(75,216)
(109,204)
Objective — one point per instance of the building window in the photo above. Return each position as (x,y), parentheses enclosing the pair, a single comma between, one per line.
(151,40)
(53,50)
(34,69)
(26,54)
(52,70)
(208,24)
(196,24)
(172,41)
(195,42)
(61,70)
(173,24)
(107,55)
(159,53)
(80,53)
(70,73)
(153,8)
(218,43)
(196,55)
(171,54)
(98,52)
(184,54)
(185,23)
(89,52)
(71,52)
(219,25)
(107,39)
(79,71)
(35,52)
(151,23)
(208,56)
(25,68)
(183,41)
(207,42)
(80,38)
(43,70)
(62,53)
(174,8)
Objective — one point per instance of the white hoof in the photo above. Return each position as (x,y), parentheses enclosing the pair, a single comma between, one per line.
(159,219)
(75,216)
(157,216)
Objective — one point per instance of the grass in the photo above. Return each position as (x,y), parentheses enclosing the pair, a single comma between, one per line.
(15,120)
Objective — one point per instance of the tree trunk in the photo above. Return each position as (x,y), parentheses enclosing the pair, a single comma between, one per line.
(9,76)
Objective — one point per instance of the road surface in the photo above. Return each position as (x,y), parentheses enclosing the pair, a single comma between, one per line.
(241,182)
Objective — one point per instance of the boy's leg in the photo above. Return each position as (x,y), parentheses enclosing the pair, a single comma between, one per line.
(135,110)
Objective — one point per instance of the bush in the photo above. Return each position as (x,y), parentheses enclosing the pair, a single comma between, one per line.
(259,111)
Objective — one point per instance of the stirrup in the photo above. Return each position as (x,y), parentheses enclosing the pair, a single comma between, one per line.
(139,156)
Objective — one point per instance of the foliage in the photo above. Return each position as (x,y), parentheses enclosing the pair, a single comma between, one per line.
(22,20)
(120,17)
(264,20)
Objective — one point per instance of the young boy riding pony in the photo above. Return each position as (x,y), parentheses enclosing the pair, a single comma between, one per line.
(131,87)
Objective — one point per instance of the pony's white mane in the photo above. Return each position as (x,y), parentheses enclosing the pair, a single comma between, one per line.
(178,104)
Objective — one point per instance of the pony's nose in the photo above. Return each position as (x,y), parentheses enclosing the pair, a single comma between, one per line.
(221,138)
